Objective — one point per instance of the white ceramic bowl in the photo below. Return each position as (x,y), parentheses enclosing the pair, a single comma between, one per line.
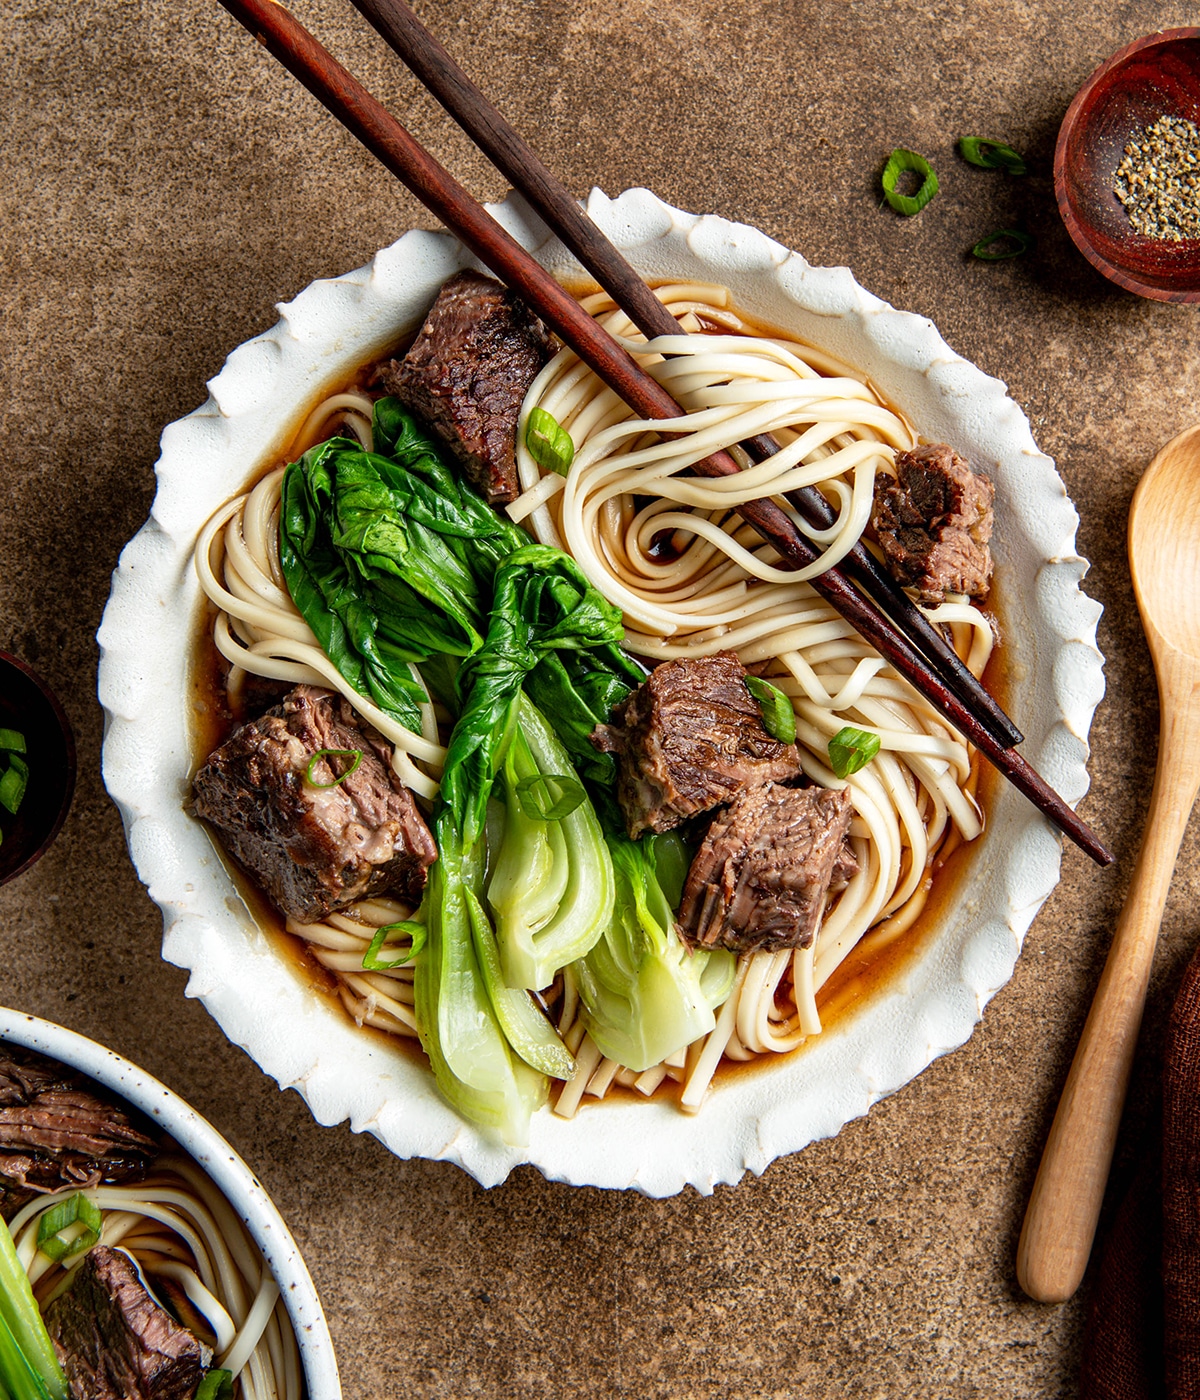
(198,1137)
(748,1119)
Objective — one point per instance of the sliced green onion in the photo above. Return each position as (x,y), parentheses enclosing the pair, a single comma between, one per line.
(216,1385)
(12,740)
(549,797)
(354,755)
(417,932)
(851,749)
(13,783)
(986,249)
(76,1209)
(991,155)
(898,162)
(549,443)
(778,715)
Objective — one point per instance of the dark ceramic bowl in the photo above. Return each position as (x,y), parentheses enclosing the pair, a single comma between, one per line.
(27,704)
(1156,76)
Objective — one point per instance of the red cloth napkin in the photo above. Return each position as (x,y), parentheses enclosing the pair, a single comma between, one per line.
(1143,1332)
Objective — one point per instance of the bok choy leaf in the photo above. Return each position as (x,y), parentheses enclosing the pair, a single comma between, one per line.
(644,994)
(28,1365)
(551,888)
(476,1069)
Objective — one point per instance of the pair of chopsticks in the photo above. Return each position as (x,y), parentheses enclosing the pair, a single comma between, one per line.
(922,656)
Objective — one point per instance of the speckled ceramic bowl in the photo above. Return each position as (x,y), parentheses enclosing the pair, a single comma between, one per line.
(749,1118)
(199,1138)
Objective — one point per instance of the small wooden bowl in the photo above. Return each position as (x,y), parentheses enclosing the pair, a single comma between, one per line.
(1153,77)
(27,704)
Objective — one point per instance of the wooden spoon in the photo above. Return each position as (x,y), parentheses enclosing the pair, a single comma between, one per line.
(1164,557)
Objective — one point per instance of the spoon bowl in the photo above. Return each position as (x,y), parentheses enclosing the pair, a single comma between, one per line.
(1164,559)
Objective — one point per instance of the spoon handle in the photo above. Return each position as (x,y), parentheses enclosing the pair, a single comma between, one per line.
(1064,1205)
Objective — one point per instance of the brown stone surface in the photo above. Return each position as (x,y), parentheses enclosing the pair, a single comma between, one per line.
(164,184)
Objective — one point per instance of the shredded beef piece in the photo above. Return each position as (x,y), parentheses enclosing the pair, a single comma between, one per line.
(687,740)
(315,849)
(57,1132)
(468,371)
(934,523)
(114,1341)
(762,873)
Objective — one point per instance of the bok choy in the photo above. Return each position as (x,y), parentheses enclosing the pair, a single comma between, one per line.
(645,995)
(394,561)
(29,1369)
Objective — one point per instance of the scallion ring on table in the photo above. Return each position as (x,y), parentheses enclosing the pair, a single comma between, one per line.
(991,155)
(898,162)
(1004,243)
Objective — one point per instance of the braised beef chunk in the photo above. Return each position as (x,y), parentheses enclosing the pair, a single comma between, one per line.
(934,523)
(466,374)
(761,875)
(114,1341)
(315,848)
(56,1132)
(687,740)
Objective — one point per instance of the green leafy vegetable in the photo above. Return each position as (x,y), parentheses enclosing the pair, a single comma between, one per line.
(410,928)
(13,783)
(549,443)
(216,1385)
(76,1209)
(851,749)
(353,755)
(1004,243)
(542,603)
(549,797)
(389,558)
(476,1069)
(778,714)
(33,1371)
(898,162)
(991,155)
(551,886)
(645,996)
(525,1027)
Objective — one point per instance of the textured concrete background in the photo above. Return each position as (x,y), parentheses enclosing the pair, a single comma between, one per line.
(164,184)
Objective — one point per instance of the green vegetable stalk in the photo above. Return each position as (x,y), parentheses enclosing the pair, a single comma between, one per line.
(29,1369)
(645,996)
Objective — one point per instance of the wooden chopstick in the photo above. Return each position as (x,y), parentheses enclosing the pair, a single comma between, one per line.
(301,54)
(506,149)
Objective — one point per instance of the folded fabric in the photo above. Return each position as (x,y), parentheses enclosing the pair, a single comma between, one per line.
(1142,1337)
(1181,1192)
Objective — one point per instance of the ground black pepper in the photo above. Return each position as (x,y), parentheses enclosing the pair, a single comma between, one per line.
(1158,181)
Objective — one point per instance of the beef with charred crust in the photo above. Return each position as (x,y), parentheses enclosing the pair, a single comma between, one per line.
(687,740)
(763,872)
(467,373)
(315,845)
(933,522)
(57,1132)
(114,1342)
